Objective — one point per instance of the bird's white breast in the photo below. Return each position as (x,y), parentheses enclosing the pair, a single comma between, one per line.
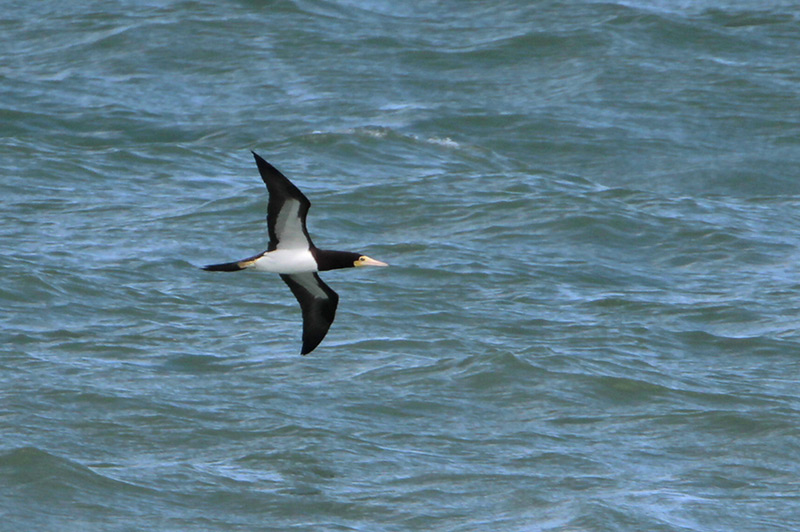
(286,261)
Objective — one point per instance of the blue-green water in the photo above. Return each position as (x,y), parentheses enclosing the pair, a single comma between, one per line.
(591,322)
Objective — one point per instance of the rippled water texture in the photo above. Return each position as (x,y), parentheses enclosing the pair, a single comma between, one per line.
(591,318)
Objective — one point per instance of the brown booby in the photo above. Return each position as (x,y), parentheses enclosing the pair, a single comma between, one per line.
(292,255)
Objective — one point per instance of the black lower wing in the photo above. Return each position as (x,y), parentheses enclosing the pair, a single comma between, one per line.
(318,302)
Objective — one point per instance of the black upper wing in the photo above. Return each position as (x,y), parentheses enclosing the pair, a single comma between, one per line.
(318,303)
(286,210)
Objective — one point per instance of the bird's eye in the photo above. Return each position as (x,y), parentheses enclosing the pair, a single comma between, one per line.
(362,259)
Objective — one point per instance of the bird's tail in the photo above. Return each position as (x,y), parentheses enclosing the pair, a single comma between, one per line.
(226,267)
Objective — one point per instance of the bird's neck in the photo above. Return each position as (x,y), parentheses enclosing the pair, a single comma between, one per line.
(334,260)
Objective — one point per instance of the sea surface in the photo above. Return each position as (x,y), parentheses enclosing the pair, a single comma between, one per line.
(591,321)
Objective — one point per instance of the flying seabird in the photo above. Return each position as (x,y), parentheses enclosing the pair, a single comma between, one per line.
(292,254)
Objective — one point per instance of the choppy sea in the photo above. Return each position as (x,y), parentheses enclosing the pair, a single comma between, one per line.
(591,321)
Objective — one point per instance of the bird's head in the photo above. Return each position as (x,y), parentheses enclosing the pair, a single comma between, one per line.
(334,260)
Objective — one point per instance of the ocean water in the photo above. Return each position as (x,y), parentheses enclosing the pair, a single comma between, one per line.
(591,320)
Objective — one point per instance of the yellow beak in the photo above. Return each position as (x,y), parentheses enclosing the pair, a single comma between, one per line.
(366,261)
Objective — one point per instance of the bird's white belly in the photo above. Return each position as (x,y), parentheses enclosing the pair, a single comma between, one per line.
(286,261)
